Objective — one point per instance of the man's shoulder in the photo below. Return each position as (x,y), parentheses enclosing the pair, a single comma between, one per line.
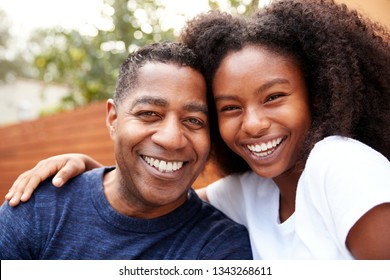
(208,214)
(47,195)
(222,238)
(90,177)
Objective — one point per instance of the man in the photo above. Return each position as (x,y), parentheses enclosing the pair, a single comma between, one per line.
(144,207)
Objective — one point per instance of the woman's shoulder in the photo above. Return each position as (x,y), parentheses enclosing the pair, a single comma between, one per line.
(341,149)
(248,185)
(336,155)
(339,141)
(242,179)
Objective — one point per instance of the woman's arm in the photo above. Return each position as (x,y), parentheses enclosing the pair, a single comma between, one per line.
(349,184)
(369,238)
(64,167)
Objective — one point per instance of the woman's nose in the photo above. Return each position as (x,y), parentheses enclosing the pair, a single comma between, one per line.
(255,122)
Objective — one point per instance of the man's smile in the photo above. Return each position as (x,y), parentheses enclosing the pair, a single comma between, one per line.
(162,165)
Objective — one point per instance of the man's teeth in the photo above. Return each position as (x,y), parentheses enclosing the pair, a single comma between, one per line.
(162,165)
(266,148)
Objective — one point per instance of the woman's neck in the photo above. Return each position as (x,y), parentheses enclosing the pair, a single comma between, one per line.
(287,184)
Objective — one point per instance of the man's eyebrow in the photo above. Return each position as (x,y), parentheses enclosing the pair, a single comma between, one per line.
(161,102)
(157,101)
(196,107)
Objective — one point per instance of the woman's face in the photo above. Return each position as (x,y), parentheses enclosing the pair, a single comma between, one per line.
(263,109)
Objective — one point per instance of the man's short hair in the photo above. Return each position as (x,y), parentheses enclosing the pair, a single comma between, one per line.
(165,52)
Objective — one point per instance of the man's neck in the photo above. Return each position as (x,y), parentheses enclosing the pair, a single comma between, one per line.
(124,202)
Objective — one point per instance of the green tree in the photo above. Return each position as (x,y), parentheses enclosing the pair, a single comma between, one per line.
(244,7)
(88,63)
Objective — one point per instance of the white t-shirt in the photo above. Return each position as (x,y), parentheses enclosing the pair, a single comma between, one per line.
(342,180)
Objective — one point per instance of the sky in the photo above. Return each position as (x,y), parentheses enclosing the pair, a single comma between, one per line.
(25,15)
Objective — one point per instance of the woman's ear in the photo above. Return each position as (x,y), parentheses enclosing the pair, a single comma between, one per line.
(111,117)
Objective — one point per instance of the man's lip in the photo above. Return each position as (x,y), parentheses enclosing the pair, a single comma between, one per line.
(162,165)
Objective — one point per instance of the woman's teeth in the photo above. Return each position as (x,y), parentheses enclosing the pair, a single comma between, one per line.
(266,148)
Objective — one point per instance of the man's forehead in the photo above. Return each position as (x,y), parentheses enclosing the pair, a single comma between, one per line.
(158,67)
(171,70)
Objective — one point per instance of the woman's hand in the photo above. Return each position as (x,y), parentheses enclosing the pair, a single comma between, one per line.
(64,167)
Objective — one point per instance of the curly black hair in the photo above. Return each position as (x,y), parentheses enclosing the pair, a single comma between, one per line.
(344,56)
(212,35)
(165,52)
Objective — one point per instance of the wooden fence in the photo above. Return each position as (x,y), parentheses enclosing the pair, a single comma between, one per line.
(79,131)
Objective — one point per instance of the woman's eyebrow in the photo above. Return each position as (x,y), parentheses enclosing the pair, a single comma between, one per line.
(263,87)
(226,97)
(271,83)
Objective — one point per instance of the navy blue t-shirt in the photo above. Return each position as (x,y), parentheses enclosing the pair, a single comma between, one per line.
(77,222)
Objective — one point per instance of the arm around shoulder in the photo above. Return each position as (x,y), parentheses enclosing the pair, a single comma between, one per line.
(62,167)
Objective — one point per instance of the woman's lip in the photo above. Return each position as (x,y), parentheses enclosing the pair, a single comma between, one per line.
(267,154)
(265,146)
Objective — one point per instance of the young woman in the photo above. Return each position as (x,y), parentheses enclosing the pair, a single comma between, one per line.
(301,101)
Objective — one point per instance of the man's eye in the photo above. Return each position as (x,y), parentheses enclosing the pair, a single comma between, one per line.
(147,114)
(194,123)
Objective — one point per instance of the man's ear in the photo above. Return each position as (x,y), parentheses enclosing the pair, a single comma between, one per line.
(111,117)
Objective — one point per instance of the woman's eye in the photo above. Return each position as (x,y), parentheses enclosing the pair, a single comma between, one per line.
(273,97)
(229,108)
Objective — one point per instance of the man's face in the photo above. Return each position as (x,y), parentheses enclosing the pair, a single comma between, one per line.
(161,136)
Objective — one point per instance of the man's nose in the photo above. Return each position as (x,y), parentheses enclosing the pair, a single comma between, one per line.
(170,134)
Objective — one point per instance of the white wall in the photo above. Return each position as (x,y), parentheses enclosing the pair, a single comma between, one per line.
(24,99)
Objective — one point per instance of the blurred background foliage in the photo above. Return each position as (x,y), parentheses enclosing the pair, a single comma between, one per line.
(12,64)
(87,63)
